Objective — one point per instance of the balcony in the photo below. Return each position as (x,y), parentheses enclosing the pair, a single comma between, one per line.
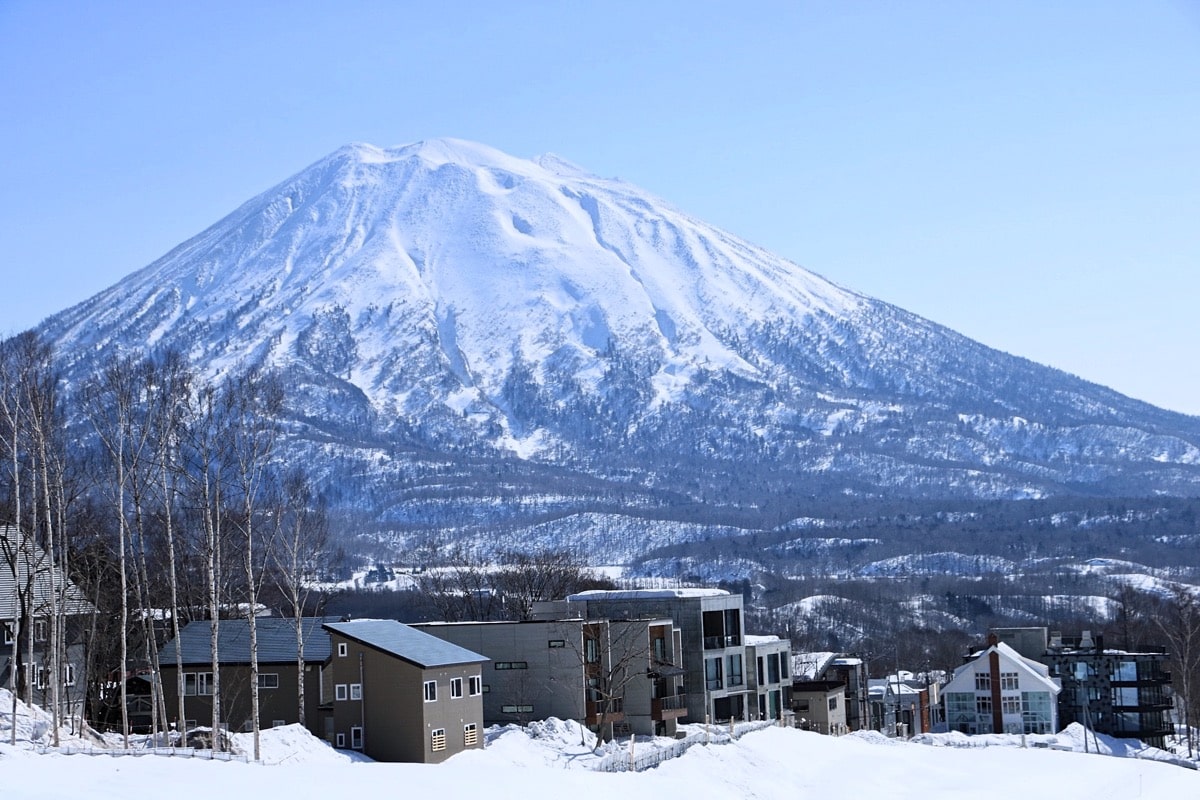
(612,710)
(664,708)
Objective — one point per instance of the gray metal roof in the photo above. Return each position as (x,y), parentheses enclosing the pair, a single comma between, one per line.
(409,644)
(276,641)
(30,558)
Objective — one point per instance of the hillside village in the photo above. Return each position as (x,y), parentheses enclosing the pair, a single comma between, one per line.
(617,663)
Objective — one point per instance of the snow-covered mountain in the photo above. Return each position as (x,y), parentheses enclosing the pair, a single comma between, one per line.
(473,336)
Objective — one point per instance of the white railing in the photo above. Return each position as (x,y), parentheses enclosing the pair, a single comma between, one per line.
(169,752)
(715,734)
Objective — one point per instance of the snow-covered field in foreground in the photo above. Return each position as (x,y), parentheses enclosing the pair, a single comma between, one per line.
(547,759)
(773,763)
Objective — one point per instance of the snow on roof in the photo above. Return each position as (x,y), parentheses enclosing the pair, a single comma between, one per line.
(644,594)
(754,641)
(808,666)
(1036,670)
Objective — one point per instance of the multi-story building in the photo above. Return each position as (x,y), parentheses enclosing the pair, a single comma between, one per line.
(820,706)
(278,672)
(400,694)
(1000,691)
(713,648)
(32,591)
(1121,693)
(619,675)
(770,659)
(848,670)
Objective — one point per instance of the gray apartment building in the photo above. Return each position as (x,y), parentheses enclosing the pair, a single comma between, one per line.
(770,661)
(1121,693)
(25,627)
(712,642)
(611,675)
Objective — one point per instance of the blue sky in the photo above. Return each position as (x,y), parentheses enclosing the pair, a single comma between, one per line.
(1027,173)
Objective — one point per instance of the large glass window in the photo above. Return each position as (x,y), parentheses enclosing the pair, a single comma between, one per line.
(735,670)
(773,668)
(712,673)
(1125,671)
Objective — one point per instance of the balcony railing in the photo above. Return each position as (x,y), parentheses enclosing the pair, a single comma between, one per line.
(612,710)
(664,708)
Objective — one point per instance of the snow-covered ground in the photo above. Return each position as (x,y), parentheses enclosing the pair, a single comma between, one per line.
(548,760)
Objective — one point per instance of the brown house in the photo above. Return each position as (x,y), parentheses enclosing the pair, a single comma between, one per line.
(278,676)
(399,694)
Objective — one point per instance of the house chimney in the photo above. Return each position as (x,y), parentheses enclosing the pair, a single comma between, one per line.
(992,640)
(1085,641)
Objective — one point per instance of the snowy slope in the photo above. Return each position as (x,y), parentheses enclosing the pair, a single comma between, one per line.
(774,763)
(444,297)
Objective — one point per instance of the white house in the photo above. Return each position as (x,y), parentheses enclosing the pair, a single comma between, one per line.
(1001,691)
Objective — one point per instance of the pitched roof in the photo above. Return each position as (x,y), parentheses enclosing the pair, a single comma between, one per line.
(408,644)
(276,641)
(27,557)
(1038,672)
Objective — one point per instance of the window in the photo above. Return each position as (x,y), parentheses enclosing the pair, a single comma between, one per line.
(712,673)
(278,723)
(341,740)
(197,683)
(591,651)
(734,670)
(456,687)
(356,736)
(430,691)
(475,685)
(1010,705)
(516,709)
(470,735)
(41,677)
(510,665)
(268,680)
(983,706)
(339,692)
(772,667)
(9,632)
(983,682)
(556,643)
(1008,681)
(356,691)
(39,630)
(68,674)
(833,703)
(437,740)
(342,649)
(783,666)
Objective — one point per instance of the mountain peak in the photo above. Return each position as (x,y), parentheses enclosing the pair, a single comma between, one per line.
(472,299)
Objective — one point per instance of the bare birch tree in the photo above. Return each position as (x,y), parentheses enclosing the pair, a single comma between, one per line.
(1179,621)
(300,544)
